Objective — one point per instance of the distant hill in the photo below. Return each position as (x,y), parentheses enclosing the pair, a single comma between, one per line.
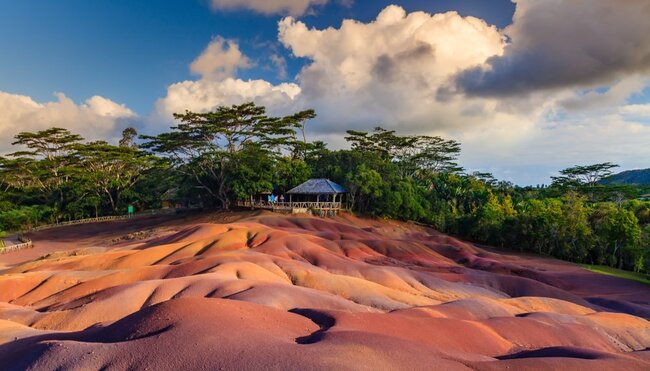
(632,177)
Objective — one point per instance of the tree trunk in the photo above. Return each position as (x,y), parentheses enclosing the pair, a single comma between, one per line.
(222,196)
(110,198)
(619,264)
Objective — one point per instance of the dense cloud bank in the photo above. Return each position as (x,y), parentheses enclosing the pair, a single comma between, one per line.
(557,44)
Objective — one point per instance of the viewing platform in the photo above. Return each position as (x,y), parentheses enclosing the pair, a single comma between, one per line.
(321,196)
(292,207)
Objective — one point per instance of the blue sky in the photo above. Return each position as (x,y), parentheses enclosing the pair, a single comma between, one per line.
(561,83)
(131,50)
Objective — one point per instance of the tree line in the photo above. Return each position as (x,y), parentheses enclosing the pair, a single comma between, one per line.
(216,158)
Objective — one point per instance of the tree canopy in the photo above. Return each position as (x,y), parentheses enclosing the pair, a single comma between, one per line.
(584,175)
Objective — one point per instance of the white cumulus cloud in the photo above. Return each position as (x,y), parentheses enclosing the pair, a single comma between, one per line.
(96,118)
(106,108)
(388,71)
(221,58)
(206,95)
(219,86)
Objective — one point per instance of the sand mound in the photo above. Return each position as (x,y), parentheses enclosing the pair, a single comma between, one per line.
(269,291)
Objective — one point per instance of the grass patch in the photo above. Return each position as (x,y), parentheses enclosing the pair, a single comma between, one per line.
(639,277)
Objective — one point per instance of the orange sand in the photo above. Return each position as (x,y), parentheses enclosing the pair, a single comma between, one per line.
(266,291)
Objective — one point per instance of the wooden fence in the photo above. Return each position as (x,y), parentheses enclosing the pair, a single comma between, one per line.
(101,219)
(291,205)
(20,246)
(29,244)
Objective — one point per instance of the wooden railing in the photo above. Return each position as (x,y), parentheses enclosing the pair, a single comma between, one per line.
(27,243)
(291,205)
(100,219)
(20,246)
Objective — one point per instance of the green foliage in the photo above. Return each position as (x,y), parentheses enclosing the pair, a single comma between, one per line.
(290,172)
(639,277)
(251,172)
(405,198)
(58,177)
(537,226)
(414,155)
(643,258)
(365,185)
(574,240)
(589,175)
(489,218)
(24,217)
(129,136)
(108,170)
(618,235)
(213,148)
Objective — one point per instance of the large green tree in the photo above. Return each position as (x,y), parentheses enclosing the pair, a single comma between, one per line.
(45,163)
(618,232)
(583,175)
(210,147)
(108,170)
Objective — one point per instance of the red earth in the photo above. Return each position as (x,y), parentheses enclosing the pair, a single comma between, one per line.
(266,291)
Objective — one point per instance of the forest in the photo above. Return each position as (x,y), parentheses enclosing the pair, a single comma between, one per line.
(213,159)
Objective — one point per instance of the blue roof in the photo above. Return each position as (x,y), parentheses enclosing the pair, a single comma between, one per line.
(318,187)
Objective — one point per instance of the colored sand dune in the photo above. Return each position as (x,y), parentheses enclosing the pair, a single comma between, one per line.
(266,291)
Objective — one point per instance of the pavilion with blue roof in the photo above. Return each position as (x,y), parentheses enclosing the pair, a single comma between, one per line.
(321,195)
(318,187)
